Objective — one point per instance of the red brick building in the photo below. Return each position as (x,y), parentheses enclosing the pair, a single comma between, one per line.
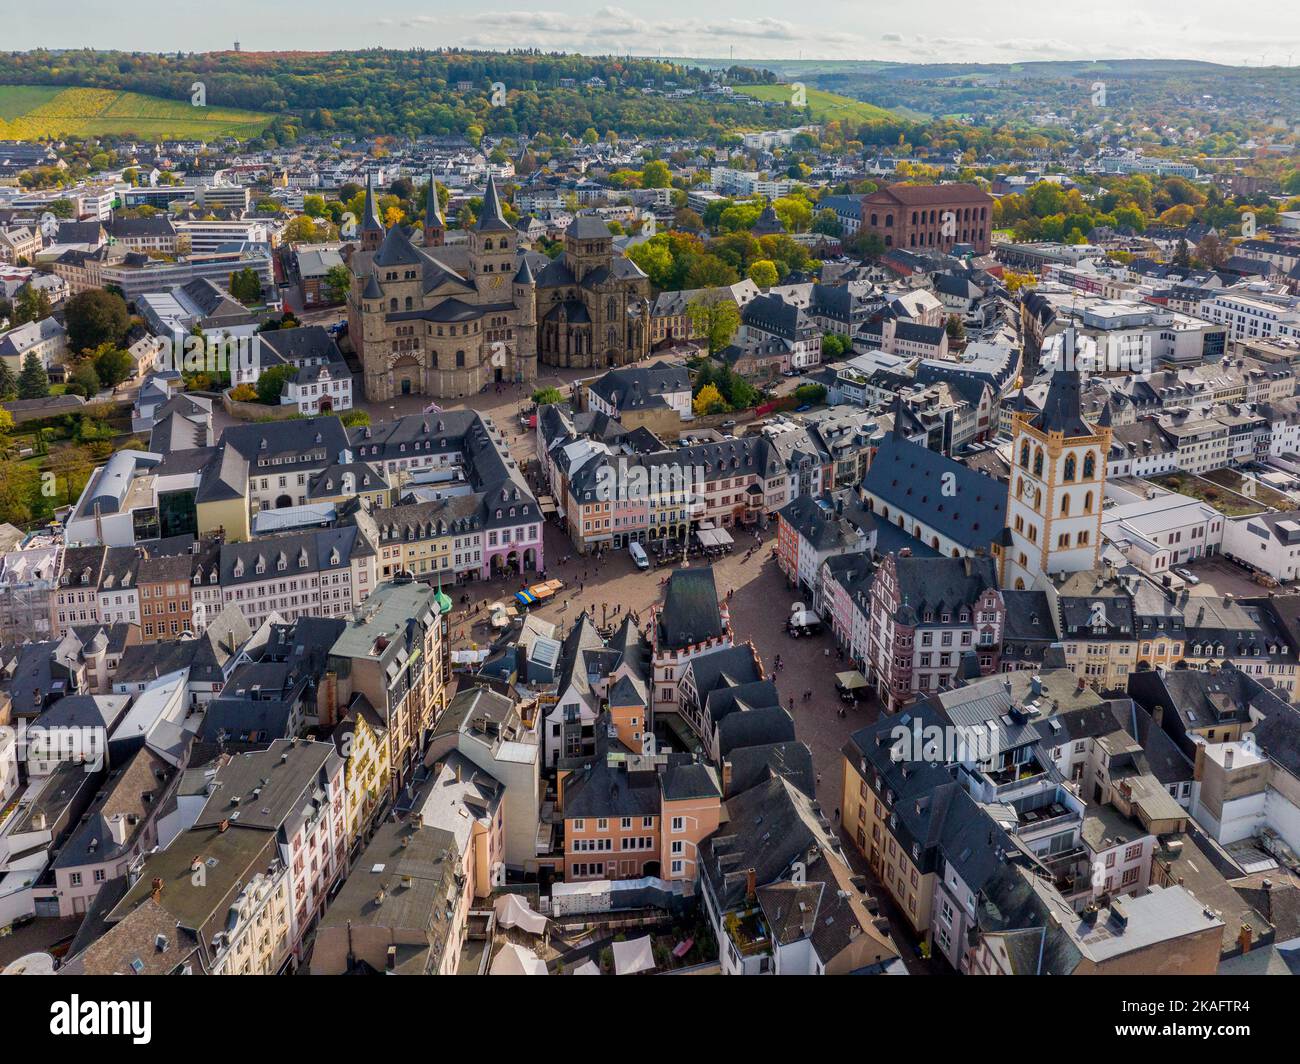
(929,217)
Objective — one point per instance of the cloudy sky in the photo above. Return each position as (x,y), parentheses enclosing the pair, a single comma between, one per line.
(919,31)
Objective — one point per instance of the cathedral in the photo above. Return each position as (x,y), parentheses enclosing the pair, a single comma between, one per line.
(446,320)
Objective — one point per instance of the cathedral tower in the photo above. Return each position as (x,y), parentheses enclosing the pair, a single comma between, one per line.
(372,229)
(492,250)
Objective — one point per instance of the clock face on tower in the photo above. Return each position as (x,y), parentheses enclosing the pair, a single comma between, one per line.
(496,281)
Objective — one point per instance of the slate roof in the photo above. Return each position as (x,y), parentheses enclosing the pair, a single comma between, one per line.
(633,386)
(490,217)
(751,765)
(691,611)
(287,786)
(1061,411)
(760,726)
(131,792)
(910,478)
(766,828)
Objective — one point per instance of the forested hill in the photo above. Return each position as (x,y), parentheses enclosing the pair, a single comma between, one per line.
(415,92)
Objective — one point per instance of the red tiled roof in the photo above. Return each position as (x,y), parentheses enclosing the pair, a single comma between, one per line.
(929,195)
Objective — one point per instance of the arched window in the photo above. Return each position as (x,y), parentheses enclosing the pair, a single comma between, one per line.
(1038,462)
(1020,488)
(1068,475)
(1089,466)
(392,303)
(1024,455)
(1087,503)
(1065,506)
(487,244)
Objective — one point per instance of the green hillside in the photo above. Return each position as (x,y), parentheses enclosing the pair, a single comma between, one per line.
(822,106)
(29,112)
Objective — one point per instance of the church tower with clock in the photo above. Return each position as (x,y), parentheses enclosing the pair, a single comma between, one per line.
(492,250)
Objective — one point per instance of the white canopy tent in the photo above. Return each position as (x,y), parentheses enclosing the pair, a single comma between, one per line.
(587,967)
(634,956)
(515,960)
(513,911)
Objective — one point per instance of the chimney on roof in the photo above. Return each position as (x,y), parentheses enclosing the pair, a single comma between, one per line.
(223,826)
(1227,758)
(751,883)
(457,771)
(1245,937)
(1158,715)
(156,888)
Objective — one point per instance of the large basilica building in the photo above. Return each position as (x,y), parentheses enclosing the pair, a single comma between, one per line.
(446,320)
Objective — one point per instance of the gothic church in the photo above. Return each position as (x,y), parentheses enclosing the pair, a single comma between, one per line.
(447,319)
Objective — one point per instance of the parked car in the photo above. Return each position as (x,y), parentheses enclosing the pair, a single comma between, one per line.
(638,555)
(1188,575)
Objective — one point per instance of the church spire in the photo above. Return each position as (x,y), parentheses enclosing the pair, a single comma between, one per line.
(435,224)
(491,216)
(372,229)
(1063,410)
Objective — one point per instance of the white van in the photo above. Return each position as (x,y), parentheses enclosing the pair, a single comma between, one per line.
(638,554)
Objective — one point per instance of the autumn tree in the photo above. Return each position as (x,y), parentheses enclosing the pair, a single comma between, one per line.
(763,273)
(715,318)
(709,401)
